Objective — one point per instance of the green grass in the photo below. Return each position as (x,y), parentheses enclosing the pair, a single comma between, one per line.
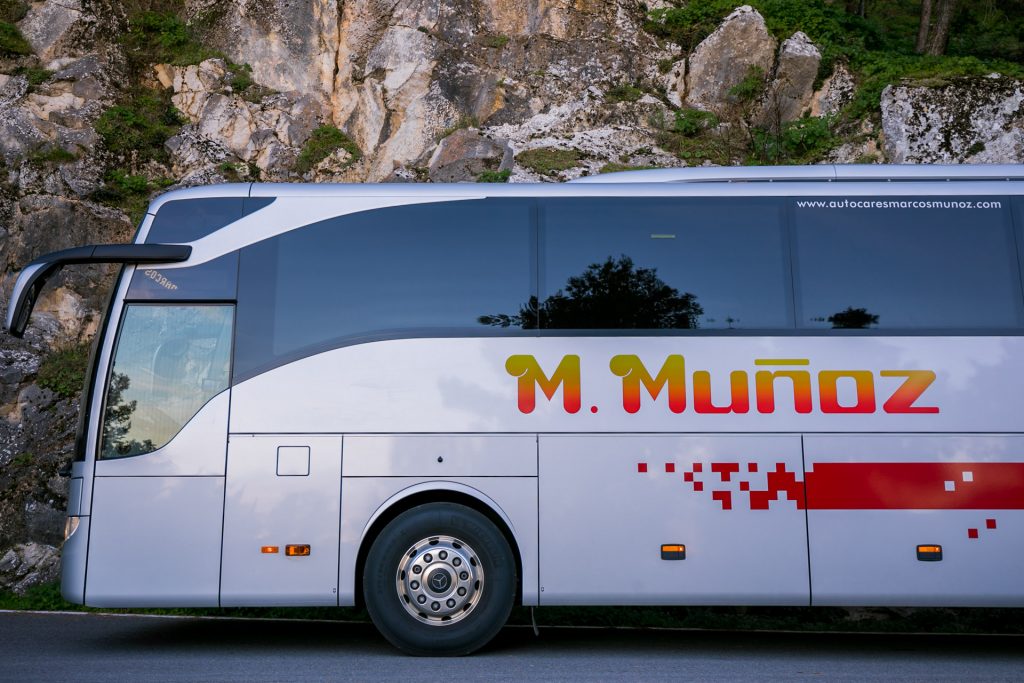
(463,123)
(613,167)
(162,37)
(494,176)
(128,192)
(34,75)
(12,42)
(63,371)
(139,125)
(495,41)
(623,92)
(321,144)
(548,160)
(48,154)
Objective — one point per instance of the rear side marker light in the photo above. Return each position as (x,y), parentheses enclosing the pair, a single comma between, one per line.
(673,552)
(296,550)
(929,553)
(269,549)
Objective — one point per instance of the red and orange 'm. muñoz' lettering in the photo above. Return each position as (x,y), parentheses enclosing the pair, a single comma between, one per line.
(634,374)
(672,378)
(828,381)
(902,401)
(530,375)
(739,385)
(764,383)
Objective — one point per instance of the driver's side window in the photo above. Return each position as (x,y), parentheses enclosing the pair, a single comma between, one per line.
(169,361)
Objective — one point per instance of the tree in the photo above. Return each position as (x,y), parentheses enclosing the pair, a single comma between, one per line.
(852,319)
(933,31)
(609,295)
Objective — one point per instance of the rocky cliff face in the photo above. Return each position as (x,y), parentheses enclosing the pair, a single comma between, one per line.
(370,91)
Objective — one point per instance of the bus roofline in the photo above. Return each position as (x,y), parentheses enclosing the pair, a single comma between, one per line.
(34,276)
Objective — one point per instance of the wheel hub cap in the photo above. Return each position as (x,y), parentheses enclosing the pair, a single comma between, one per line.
(439,580)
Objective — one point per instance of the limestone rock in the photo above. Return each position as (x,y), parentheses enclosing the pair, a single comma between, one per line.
(226,127)
(723,59)
(50,27)
(465,154)
(789,94)
(835,93)
(963,120)
(27,565)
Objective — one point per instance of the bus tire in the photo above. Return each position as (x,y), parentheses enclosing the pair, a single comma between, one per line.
(439,580)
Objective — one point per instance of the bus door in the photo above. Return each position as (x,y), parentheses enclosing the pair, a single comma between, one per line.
(281,520)
(158,491)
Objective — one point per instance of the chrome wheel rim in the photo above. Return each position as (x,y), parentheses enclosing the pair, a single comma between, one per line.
(439,580)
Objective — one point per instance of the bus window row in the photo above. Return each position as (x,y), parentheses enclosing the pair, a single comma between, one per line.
(638,263)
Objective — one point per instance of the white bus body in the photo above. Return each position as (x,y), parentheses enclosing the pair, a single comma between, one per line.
(666,388)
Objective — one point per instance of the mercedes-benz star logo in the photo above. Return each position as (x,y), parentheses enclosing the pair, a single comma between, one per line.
(439,581)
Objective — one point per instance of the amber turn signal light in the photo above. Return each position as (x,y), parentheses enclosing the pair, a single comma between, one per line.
(929,553)
(673,552)
(296,550)
(269,549)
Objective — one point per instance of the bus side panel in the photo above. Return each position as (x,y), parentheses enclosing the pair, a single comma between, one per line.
(872,499)
(609,503)
(155,542)
(281,490)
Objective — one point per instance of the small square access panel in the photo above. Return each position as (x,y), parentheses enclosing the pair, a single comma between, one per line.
(293,461)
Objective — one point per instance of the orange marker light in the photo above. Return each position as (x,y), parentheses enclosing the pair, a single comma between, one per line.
(269,549)
(929,553)
(296,550)
(673,551)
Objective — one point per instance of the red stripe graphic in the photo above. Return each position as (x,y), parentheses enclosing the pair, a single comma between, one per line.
(865,485)
(915,486)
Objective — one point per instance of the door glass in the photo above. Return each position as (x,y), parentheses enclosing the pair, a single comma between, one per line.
(169,361)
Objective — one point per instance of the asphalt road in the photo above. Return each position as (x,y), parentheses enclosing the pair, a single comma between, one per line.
(89,647)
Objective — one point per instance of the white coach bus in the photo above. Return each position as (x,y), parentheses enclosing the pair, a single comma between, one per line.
(774,386)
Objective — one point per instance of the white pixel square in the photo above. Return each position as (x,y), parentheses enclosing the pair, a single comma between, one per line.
(968,476)
(951,486)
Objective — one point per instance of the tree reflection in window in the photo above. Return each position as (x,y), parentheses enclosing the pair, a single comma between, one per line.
(117,421)
(169,361)
(611,295)
(852,319)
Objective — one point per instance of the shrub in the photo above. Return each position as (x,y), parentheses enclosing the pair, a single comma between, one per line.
(624,92)
(34,75)
(548,160)
(63,371)
(613,167)
(11,40)
(751,87)
(162,37)
(494,176)
(692,122)
(803,141)
(140,125)
(52,155)
(496,41)
(323,141)
(12,10)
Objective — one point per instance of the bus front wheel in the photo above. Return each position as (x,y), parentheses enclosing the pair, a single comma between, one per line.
(440,579)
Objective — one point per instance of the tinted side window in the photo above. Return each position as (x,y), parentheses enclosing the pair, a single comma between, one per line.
(186,220)
(422,268)
(663,263)
(216,279)
(932,262)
